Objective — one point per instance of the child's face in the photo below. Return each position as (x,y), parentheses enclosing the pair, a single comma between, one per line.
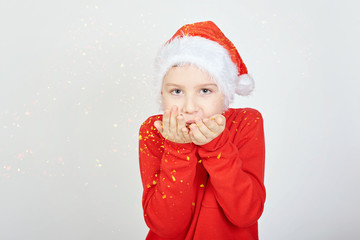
(193,92)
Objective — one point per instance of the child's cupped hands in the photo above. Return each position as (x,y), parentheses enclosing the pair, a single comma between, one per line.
(203,131)
(173,127)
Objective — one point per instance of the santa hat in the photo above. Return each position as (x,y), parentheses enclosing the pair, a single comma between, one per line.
(205,46)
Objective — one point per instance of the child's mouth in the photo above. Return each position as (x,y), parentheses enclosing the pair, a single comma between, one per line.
(188,123)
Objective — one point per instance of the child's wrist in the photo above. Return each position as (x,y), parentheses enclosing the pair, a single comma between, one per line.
(178,146)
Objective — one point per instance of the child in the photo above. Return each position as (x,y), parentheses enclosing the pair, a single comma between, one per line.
(202,163)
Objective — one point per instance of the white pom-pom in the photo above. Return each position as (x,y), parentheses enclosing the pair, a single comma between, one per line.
(245,85)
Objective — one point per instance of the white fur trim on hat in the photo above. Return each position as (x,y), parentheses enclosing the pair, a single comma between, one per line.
(207,55)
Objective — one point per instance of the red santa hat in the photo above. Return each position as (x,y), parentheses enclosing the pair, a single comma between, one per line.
(205,46)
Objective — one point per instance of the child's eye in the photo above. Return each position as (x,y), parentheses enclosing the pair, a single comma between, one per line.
(205,91)
(176,92)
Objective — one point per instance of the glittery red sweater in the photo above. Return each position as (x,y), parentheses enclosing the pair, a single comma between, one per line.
(213,191)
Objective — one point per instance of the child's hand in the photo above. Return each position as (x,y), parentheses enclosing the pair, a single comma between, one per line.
(206,130)
(173,127)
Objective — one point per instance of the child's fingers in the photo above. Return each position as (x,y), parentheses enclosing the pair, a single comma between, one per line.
(158,126)
(166,119)
(204,129)
(173,121)
(220,120)
(180,124)
(186,135)
(195,134)
(210,124)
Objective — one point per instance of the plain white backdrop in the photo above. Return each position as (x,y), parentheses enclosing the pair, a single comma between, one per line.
(75,84)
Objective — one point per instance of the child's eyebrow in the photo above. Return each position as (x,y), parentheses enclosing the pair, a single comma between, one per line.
(200,85)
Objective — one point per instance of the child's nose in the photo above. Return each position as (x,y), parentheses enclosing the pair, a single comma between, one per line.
(190,106)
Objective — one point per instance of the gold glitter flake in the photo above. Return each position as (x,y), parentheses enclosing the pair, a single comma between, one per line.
(154,182)
(188,158)
(193,203)
(200,161)
(218,157)
(163,196)
(140,137)
(202,185)
(173,178)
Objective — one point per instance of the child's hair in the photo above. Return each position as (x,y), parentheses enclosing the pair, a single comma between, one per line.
(204,45)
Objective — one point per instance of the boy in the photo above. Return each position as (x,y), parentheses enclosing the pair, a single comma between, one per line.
(202,163)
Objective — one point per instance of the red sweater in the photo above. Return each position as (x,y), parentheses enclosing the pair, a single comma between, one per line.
(213,191)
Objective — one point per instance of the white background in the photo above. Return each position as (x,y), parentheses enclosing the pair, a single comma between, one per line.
(75,84)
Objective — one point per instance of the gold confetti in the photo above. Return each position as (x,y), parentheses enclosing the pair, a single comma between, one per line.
(218,157)
(140,137)
(154,182)
(148,186)
(173,178)
(164,196)
(201,185)
(200,161)
(188,158)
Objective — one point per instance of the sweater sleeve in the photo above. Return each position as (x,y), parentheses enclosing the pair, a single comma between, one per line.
(235,162)
(167,170)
